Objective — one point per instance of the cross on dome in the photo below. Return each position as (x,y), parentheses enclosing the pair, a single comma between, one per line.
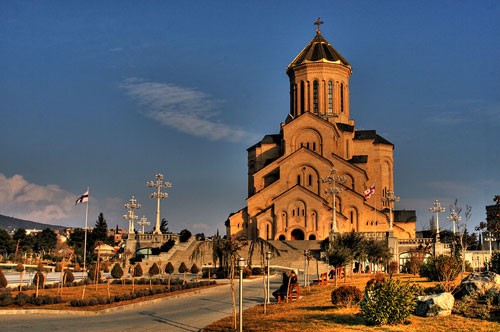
(318,23)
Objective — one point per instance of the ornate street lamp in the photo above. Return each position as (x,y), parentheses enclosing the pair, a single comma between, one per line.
(130,216)
(333,180)
(268,260)
(455,218)
(436,209)
(143,222)
(159,184)
(391,199)
(241,266)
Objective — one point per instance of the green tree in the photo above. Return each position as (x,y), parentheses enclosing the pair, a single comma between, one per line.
(164,226)
(377,252)
(195,270)
(169,269)
(3,280)
(183,269)
(6,243)
(100,231)
(46,240)
(153,271)
(117,271)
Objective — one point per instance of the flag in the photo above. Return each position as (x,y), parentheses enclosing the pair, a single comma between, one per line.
(369,192)
(83,198)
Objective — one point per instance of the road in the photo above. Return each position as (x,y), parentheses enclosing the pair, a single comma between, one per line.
(186,313)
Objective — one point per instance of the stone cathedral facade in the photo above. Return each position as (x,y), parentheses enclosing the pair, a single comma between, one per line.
(287,197)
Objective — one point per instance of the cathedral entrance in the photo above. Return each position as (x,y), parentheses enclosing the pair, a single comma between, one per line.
(297,234)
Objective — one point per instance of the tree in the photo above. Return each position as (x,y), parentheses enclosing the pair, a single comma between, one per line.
(164,226)
(3,280)
(20,269)
(184,235)
(100,231)
(153,271)
(46,240)
(169,269)
(183,269)
(377,252)
(117,271)
(6,242)
(344,249)
(195,270)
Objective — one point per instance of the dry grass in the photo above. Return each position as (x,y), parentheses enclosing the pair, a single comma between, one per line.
(314,312)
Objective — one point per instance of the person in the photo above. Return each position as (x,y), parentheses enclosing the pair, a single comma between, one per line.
(287,280)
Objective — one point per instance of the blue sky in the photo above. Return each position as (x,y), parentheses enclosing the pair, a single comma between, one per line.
(106,94)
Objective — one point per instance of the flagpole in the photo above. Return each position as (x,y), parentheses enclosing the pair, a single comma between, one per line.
(85,241)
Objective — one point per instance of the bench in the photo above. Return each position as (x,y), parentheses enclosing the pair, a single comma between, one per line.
(293,293)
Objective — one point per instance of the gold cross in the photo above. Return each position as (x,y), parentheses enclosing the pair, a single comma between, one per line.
(318,23)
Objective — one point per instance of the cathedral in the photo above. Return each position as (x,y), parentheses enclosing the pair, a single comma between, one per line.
(320,175)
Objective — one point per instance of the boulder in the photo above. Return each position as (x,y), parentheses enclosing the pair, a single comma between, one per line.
(477,284)
(434,305)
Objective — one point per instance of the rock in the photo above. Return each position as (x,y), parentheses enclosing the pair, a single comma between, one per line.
(435,305)
(477,284)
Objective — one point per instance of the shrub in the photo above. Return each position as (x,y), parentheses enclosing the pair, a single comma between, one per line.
(495,262)
(393,267)
(39,279)
(388,302)
(257,271)
(441,268)
(21,299)
(20,267)
(247,272)
(138,270)
(93,274)
(346,296)
(5,299)
(3,280)
(184,236)
(154,270)
(117,271)
(68,276)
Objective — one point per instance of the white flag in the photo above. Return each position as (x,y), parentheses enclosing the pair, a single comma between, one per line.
(83,198)
(369,192)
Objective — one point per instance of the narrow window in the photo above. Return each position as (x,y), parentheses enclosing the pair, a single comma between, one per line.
(315,96)
(310,180)
(302,95)
(298,180)
(352,218)
(341,97)
(330,97)
(314,146)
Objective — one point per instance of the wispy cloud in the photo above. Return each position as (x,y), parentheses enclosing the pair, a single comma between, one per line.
(185,109)
(464,111)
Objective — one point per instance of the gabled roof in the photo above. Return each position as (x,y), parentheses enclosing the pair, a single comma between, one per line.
(319,50)
(268,139)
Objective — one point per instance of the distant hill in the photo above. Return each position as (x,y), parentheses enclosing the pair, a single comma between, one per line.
(11,223)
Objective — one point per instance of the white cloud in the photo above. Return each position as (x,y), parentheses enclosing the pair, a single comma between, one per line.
(29,201)
(185,109)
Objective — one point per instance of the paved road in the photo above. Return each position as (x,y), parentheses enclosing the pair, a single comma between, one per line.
(186,313)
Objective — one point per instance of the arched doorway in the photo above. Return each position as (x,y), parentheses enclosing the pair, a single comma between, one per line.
(282,238)
(297,234)
(312,237)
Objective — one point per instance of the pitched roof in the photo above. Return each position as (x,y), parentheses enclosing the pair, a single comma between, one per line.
(319,50)
(371,134)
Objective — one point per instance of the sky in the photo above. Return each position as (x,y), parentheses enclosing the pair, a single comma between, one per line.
(106,94)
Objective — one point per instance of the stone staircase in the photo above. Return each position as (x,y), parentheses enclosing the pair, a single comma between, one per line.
(291,256)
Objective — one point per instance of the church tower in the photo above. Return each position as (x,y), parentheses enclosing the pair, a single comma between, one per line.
(288,197)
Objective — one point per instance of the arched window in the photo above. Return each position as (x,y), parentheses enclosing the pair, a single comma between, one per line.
(341,97)
(310,180)
(330,97)
(298,180)
(302,98)
(315,97)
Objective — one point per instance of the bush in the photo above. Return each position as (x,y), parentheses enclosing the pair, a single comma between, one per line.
(21,299)
(5,299)
(495,262)
(39,278)
(3,280)
(137,270)
(247,272)
(68,276)
(184,236)
(388,301)
(257,271)
(117,271)
(154,270)
(441,268)
(393,267)
(346,296)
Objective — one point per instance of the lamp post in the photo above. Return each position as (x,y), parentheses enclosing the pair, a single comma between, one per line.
(390,198)
(455,218)
(436,209)
(268,259)
(333,180)
(143,222)
(241,266)
(130,216)
(159,184)
(307,258)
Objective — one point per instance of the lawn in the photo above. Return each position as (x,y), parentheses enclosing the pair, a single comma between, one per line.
(315,312)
